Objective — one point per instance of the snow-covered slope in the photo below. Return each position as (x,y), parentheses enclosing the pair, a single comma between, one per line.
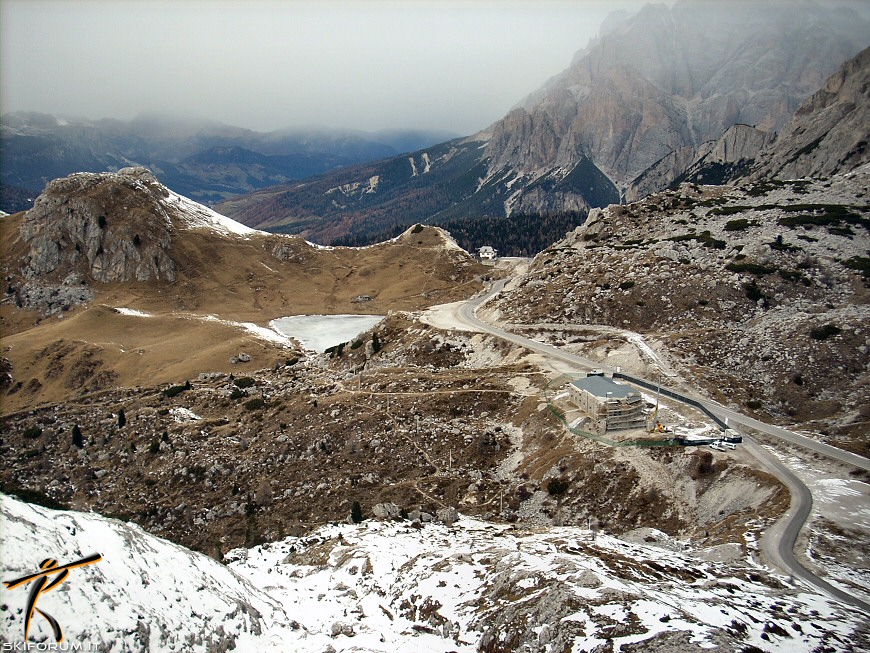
(146,594)
(402,586)
(197,216)
(391,586)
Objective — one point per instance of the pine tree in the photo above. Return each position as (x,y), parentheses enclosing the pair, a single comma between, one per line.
(356,515)
(77,438)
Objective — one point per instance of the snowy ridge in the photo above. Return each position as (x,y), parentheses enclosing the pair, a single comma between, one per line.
(197,216)
(146,594)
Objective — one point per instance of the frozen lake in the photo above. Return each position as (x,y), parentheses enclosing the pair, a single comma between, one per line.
(319,332)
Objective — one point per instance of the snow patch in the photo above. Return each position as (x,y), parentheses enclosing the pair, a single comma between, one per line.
(197,216)
(319,332)
(133,312)
(270,335)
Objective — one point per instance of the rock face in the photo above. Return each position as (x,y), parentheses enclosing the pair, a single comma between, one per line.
(831,130)
(109,227)
(663,81)
(715,162)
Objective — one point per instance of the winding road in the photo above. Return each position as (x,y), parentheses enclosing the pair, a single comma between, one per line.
(779,540)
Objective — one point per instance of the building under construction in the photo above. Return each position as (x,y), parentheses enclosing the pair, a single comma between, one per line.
(611,405)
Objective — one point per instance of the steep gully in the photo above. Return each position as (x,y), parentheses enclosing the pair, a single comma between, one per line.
(779,540)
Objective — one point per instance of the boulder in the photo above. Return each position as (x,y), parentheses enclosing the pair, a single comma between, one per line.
(387,511)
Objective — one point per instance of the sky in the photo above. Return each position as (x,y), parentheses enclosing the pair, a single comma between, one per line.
(456,65)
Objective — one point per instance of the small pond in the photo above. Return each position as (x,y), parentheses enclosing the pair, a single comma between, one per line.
(319,332)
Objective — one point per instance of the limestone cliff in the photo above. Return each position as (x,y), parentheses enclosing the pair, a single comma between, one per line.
(108,227)
(715,162)
(831,130)
(668,79)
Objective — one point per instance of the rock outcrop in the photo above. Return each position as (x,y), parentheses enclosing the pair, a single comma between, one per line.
(830,133)
(109,227)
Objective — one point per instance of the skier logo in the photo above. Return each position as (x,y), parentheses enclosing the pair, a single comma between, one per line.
(42,585)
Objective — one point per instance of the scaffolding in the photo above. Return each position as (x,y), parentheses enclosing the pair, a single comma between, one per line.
(612,405)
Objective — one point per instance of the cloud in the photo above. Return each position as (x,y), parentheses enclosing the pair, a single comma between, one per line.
(267,65)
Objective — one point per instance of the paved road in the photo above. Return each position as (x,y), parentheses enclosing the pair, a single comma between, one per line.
(467,314)
(778,541)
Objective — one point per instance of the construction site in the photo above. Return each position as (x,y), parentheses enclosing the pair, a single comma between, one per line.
(596,406)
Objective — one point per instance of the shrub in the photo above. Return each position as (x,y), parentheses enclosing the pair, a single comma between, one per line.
(625,285)
(860,263)
(154,447)
(33,432)
(122,419)
(356,344)
(705,238)
(738,225)
(751,268)
(730,210)
(101,221)
(244,382)
(376,343)
(175,390)
(237,394)
(780,246)
(417,229)
(824,332)
(557,486)
(753,292)
(254,404)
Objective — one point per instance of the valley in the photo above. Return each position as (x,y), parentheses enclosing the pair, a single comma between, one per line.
(255,383)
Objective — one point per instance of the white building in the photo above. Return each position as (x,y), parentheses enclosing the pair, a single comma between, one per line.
(487,253)
(611,404)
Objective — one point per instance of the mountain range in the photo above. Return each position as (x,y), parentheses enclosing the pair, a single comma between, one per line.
(204,160)
(635,109)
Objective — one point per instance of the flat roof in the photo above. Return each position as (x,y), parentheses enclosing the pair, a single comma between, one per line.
(599,386)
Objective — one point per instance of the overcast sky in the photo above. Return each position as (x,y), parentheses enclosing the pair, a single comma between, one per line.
(266,65)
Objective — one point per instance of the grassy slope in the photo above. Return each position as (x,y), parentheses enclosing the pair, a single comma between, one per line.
(229,277)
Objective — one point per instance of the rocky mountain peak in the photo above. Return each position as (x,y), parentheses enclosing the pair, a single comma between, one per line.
(663,80)
(107,227)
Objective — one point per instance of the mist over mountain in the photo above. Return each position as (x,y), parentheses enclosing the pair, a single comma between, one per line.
(203,159)
(634,110)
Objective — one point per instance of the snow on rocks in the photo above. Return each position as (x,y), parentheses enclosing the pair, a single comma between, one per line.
(480,586)
(398,585)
